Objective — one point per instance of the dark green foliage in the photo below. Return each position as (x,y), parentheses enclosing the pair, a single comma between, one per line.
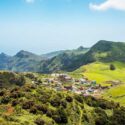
(44,98)
(16,95)
(112,67)
(12,79)
(55,102)
(42,108)
(64,103)
(15,102)
(30,75)
(57,118)
(102,103)
(69,99)
(28,104)
(2,92)
(118,117)
(33,110)
(79,98)
(51,113)
(63,116)
(18,81)
(5,99)
(39,121)
(101,117)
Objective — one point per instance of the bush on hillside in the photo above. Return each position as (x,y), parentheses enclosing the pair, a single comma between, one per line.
(101,117)
(5,99)
(55,102)
(39,121)
(118,117)
(112,67)
(69,99)
(27,105)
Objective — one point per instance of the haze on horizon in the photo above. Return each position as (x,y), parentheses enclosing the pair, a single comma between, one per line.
(42,26)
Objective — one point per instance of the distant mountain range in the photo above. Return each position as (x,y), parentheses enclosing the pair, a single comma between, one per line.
(64,60)
(25,61)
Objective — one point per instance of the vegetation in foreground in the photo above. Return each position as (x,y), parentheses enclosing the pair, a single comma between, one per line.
(32,104)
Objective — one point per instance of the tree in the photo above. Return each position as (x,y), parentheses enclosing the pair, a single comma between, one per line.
(112,67)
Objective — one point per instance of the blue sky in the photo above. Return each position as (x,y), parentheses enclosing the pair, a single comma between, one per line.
(42,26)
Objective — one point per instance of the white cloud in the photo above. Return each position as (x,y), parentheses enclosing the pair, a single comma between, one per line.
(109,4)
(30,1)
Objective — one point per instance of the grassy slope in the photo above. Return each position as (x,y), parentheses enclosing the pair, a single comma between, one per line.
(100,72)
(116,94)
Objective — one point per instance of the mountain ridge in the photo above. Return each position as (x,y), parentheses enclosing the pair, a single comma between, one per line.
(65,60)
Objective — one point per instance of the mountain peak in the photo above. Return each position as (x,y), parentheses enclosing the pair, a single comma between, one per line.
(80,48)
(104,42)
(23,54)
(102,46)
(3,55)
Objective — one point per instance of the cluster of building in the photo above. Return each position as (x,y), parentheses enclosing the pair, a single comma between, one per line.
(64,82)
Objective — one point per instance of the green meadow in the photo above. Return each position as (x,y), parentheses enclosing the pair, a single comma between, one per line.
(101,73)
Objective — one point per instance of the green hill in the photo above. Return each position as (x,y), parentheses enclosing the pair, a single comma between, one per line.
(103,75)
(25,61)
(65,60)
(106,51)
(79,50)
(103,51)
(4,60)
(37,105)
(101,72)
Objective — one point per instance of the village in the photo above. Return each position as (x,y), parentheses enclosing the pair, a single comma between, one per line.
(64,82)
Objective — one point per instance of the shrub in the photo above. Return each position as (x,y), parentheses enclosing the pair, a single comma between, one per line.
(79,98)
(43,99)
(16,95)
(57,119)
(42,108)
(33,110)
(5,99)
(15,102)
(39,121)
(55,102)
(69,99)
(2,92)
(118,117)
(101,117)
(112,67)
(63,115)
(14,89)
(51,112)
(18,80)
(64,103)
(27,105)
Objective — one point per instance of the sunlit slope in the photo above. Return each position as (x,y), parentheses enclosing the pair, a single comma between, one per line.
(101,72)
(116,94)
